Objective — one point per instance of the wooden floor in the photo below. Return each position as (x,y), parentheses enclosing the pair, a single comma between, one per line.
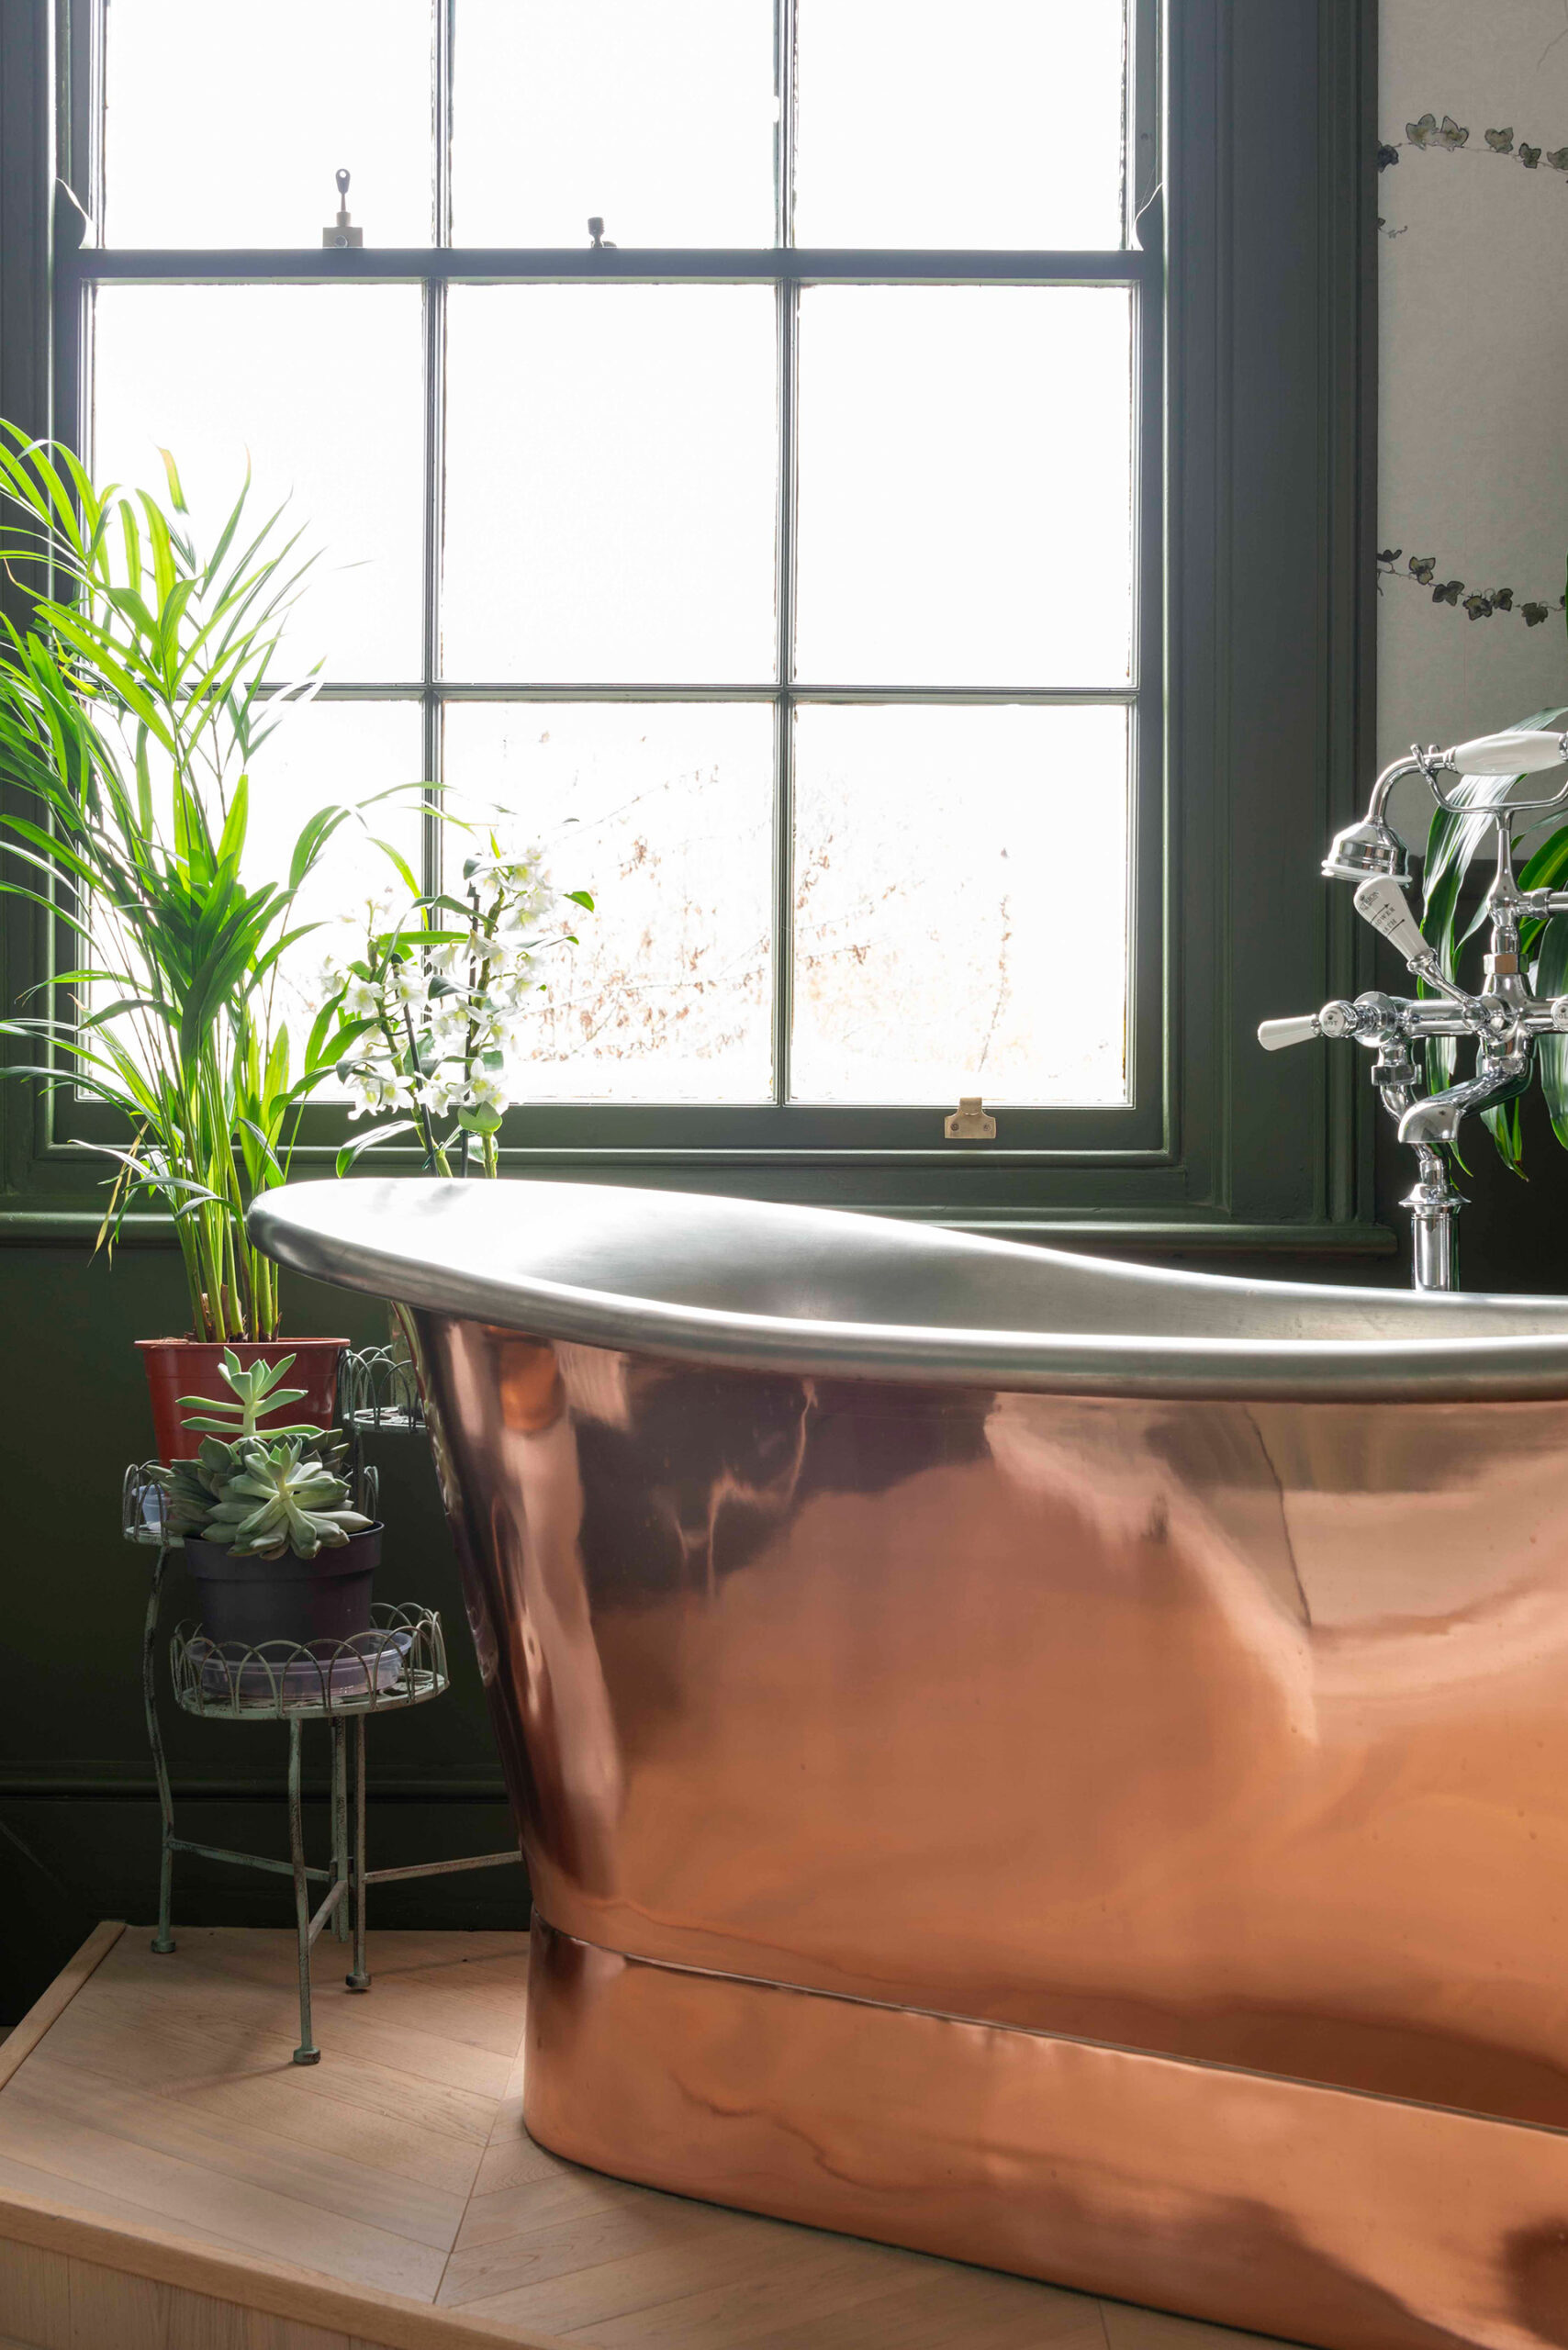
(162,2097)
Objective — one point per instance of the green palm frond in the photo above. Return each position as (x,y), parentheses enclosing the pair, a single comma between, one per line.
(132,705)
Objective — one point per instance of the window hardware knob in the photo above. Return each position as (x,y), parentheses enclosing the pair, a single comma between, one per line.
(970,1122)
(342,237)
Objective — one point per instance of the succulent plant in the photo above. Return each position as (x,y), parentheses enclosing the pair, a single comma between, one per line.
(276,1497)
(257,1390)
(261,1495)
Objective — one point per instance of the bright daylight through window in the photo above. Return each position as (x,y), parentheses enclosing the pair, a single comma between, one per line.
(792,608)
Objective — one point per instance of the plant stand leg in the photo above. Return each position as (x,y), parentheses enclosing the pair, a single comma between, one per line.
(340,1826)
(359,1980)
(163,1941)
(307,2052)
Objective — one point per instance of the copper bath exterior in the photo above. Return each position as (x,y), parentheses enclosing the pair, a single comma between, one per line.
(1049,1763)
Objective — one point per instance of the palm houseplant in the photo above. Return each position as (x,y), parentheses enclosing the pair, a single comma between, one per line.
(134,699)
(274,1547)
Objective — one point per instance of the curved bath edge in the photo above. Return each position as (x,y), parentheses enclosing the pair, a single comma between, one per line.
(751,1286)
(1360,2223)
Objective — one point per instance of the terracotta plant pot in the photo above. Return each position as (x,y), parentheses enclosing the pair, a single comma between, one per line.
(177,1367)
(313,1601)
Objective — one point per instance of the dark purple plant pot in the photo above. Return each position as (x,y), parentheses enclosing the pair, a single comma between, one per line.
(315,1602)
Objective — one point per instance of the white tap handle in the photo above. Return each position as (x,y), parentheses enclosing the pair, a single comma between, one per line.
(1558,1008)
(1275,1035)
(1523,754)
(1382,904)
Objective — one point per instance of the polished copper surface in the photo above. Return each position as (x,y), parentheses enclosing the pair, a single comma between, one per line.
(1228,1731)
(1358,2222)
(1058,1763)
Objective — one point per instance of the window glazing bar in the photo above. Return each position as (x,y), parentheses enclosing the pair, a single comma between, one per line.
(432,748)
(1065,697)
(433,501)
(788,300)
(585,266)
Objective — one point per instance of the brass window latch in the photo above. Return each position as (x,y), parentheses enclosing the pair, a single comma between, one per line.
(343,236)
(971,1122)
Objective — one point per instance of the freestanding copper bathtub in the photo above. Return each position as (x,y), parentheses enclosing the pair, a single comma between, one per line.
(1047,1761)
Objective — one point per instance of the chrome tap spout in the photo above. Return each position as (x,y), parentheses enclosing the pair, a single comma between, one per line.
(1434,1120)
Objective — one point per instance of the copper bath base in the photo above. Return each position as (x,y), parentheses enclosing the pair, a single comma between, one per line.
(1232,2196)
(1080,1753)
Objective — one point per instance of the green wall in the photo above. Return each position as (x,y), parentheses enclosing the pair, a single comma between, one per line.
(78,1819)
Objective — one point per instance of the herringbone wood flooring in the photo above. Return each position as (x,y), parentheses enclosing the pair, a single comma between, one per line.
(164,2097)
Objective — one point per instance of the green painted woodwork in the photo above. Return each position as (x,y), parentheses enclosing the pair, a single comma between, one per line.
(1259,547)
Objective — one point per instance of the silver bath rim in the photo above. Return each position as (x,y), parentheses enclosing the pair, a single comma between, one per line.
(384,1237)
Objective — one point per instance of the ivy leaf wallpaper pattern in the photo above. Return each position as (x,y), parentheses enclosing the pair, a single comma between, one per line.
(1421,570)
(1473,475)
(1430,132)
(1448,138)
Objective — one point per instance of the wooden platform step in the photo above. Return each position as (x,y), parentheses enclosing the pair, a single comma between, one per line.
(171,2180)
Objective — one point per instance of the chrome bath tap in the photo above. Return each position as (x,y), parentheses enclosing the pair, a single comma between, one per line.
(1505,1019)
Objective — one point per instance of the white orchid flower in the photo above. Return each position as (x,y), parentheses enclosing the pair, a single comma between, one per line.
(362,1000)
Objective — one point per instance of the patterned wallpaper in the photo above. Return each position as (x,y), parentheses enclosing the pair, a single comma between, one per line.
(1472,497)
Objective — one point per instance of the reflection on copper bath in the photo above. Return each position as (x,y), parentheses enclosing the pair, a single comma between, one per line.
(1118,1835)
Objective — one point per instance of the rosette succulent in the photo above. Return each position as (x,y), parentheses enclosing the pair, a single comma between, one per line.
(261,1495)
(271,1495)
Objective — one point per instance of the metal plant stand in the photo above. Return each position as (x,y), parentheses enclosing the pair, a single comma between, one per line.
(400,1664)
(377,1391)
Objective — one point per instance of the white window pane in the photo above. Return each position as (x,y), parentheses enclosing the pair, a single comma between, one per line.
(318,388)
(317,755)
(663,810)
(611,467)
(942,944)
(965,486)
(322,756)
(988,123)
(226,124)
(657,115)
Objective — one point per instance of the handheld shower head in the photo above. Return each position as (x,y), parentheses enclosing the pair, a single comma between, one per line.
(1367,851)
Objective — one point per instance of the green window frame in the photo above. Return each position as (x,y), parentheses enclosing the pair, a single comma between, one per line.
(1248,257)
